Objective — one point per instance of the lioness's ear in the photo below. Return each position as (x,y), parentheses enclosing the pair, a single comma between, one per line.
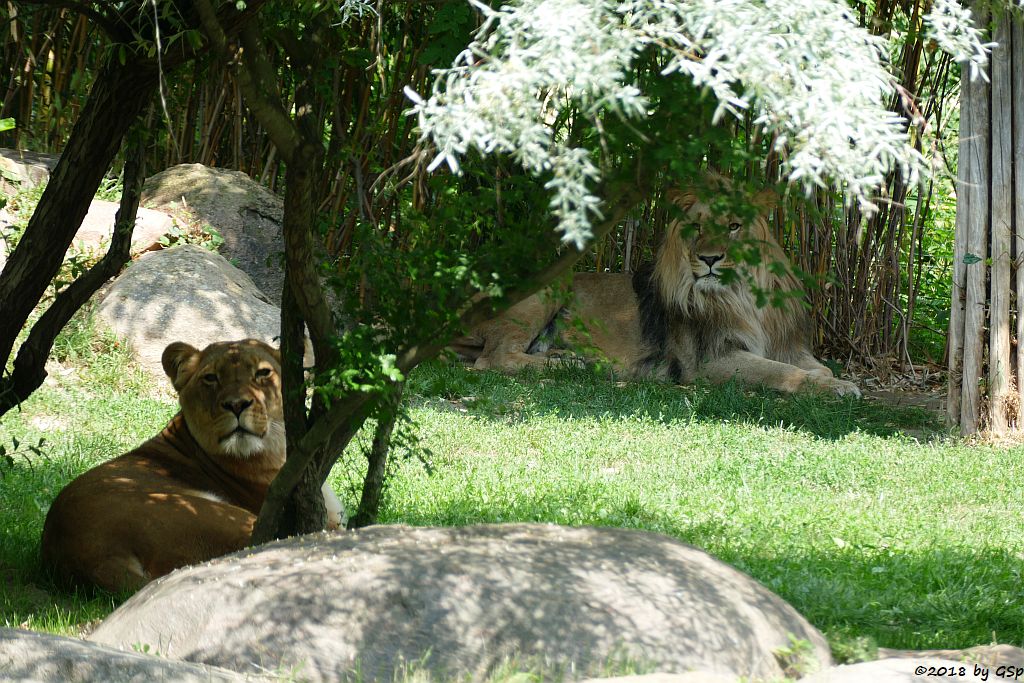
(765,200)
(684,199)
(179,360)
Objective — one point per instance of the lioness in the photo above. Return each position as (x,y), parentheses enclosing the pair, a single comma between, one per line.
(192,492)
(680,318)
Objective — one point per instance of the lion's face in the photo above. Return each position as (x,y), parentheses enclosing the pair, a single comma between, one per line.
(707,238)
(230,395)
(696,268)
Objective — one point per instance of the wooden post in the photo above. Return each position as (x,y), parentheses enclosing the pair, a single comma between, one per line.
(1001,224)
(955,343)
(1017,244)
(989,222)
(976,223)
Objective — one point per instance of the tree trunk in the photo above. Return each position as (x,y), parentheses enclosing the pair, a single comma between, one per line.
(120,94)
(29,366)
(376,466)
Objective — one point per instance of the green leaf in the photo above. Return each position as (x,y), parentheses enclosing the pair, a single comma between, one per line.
(6,124)
(970,259)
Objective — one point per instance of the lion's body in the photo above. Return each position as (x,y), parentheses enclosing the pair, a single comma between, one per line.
(680,318)
(189,494)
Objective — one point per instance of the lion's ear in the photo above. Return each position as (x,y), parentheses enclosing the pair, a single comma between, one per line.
(765,200)
(684,199)
(180,361)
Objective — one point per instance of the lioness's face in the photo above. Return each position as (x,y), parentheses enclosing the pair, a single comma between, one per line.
(230,395)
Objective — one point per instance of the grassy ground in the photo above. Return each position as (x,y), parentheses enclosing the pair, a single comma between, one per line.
(878,538)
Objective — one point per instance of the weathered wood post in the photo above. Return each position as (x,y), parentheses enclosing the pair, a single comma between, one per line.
(988,285)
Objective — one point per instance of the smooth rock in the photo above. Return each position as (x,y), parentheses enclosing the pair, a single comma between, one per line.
(39,657)
(188,294)
(459,601)
(27,168)
(247,215)
(98,227)
(689,677)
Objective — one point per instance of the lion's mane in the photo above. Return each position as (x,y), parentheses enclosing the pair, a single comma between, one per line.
(687,325)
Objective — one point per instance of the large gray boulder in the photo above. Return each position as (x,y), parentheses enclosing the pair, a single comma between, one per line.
(28,169)
(247,215)
(38,657)
(691,677)
(98,227)
(188,294)
(458,601)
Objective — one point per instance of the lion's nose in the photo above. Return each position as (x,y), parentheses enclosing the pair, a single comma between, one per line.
(711,259)
(237,406)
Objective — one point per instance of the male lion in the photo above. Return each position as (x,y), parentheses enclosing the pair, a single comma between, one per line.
(192,492)
(692,313)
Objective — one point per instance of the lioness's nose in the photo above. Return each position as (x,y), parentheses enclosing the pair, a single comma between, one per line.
(711,259)
(237,406)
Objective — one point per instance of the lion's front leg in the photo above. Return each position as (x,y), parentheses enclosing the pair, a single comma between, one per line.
(750,368)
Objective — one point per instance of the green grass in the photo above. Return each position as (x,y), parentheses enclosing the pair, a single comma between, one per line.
(868,532)
(877,537)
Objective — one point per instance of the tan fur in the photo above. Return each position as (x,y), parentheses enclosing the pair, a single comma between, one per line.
(713,329)
(190,493)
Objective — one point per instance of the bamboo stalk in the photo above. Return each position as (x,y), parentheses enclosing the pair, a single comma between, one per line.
(999,380)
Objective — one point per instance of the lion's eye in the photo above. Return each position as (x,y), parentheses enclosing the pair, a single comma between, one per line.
(262,372)
(735,227)
(210,378)
(694,227)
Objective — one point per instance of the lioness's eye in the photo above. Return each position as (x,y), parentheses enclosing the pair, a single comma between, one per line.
(733,227)
(262,372)
(210,378)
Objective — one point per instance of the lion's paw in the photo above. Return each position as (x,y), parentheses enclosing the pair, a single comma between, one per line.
(841,387)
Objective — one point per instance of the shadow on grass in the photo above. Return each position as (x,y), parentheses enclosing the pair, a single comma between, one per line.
(861,596)
(576,392)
